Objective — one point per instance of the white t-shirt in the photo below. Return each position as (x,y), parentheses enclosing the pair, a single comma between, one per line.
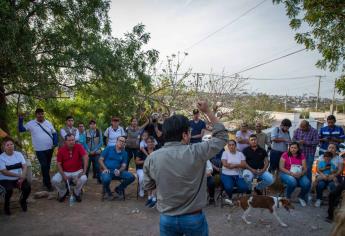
(6,160)
(244,136)
(232,159)
(112,134)
(209,167)
(40,139)
(63,133)
(143,144)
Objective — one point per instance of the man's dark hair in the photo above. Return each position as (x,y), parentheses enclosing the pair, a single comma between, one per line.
(123,136)
(174,127)
(69,117)
(253,136)
(195,111)
(92,122)
(39,110)
(286,122)
(133,118)
(69,135)
(232,141)
(331,117)
(328,154)
(151,138)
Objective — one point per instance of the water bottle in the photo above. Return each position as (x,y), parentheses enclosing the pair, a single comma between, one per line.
(71,200)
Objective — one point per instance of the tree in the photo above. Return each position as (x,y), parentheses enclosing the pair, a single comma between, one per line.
(172,88)
(48,45)
(51,47)
(326,28)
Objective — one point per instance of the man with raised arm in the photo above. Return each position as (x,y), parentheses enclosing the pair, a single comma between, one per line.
(44,138)
(177,171)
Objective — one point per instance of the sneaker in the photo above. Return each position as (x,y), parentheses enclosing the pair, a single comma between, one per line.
(211,201)
(328,219)
(141,193)
(23,205)
(148,202)
(257,191)
(108,197)
(302,202)
(119,193)
(77,197)
(50,189)
(152,204)
(318,203)
(228,201)
(7,209)
(310,197)
(62,199)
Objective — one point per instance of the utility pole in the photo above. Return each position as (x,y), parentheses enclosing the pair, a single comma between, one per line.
(285,102)
(333,99)
(197,83)
(318,93)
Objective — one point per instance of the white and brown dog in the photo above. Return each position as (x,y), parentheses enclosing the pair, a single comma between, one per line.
(264,202)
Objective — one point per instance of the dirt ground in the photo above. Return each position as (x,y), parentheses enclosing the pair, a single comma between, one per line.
(95,217)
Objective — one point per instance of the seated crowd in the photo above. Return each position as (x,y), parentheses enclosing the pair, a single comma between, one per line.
(244,166)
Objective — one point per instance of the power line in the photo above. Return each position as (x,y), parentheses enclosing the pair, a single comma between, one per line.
(251,78)
(270,61)
(224,26)
(283,78)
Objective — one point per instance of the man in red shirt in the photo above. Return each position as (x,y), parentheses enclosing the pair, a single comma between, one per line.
(72,161)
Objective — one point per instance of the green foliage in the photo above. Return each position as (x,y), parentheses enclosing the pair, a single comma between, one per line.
(341,85)
(326,28)
(246,112)
(63,49)
(304,115)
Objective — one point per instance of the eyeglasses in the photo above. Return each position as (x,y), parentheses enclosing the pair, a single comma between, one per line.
(122,141)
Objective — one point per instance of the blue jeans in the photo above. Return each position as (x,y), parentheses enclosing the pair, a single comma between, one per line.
(126,177)
(265,179)
(230,181)
(310,161)
(188,225)
(132,153)
(211,186)
(292,182)
(322,185)
(274,160)
(45,159)
(95,166)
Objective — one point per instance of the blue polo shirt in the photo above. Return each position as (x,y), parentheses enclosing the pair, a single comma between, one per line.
(113,159)
(196,127)
(327,132)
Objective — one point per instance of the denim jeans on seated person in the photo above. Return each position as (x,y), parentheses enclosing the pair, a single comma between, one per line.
(230,181)
(322,185)
(126,177)
(292,182)
(265,179)
(183,225)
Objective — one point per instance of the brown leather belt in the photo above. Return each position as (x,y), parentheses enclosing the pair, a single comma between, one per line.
(196,212)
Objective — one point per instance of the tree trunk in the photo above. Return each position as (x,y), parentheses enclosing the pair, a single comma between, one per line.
(3,108)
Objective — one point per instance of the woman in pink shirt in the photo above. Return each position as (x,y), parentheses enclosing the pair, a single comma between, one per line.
(293,170)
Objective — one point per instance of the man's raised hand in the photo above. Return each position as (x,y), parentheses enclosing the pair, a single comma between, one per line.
(203,106)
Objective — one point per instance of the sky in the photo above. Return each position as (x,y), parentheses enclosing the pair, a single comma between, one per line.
(259,36)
